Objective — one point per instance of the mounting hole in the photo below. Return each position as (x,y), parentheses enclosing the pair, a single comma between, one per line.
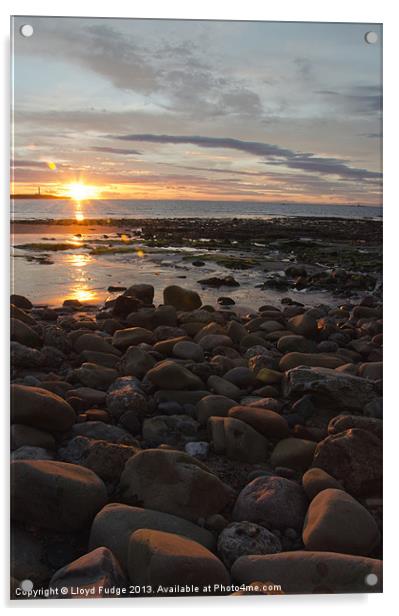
(371,38)
(26,30)
(26,585)
(371,579)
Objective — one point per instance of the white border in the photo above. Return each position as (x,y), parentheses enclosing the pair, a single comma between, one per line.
(284,10)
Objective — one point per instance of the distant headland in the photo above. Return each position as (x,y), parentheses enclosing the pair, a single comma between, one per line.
(36,196)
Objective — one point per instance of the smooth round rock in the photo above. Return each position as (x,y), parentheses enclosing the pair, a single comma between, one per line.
(94,572)
(336,522)
(158,558)
(22,436)
(295,343)
(188,350)
(265,421)
(171,375)
(272,502)
(114,524)
(124,338)
(181,299)
(302,572)
(293,453)
(55,495)
(213,406)
(316,480)
(39,408)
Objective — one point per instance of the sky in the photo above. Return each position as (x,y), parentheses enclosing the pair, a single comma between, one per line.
(164,109)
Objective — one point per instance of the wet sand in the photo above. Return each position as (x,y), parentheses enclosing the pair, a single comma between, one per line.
(81,260)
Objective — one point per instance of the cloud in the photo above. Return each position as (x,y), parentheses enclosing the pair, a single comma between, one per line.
(251,147)
(304,68)
(365,100)
(110,150)
(328,166)
(29,163)
(173,74)
(274,154)
(372,135)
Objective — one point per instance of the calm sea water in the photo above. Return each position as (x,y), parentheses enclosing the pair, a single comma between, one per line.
(31,209)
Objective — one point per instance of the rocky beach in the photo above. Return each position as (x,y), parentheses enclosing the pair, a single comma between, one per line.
(216,430)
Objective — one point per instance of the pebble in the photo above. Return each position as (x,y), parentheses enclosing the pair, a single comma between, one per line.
(251,439)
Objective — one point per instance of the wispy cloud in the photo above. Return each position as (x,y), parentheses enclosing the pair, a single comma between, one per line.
(109,150)
(274,154)
(365,100)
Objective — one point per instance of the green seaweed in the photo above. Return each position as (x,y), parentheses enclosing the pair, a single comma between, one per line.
(40,246)
(117,250)
(229,261)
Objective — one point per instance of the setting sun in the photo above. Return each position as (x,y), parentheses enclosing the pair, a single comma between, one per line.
(80,192)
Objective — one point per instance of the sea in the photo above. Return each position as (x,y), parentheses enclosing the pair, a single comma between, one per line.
(48,209)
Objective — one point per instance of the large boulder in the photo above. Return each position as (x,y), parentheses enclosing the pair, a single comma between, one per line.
(39,408)
(158,558)
(181,299)
(171,375)
(114,524)
(264,421)
(95,573)
(173,482)
(303,572)
(55,495)
(338,389)
(273,502)
(237,440)
(354,458)
(336,522)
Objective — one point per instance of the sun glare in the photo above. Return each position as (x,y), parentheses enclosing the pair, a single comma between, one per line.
(81,192)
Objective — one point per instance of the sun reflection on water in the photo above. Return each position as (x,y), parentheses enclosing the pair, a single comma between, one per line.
(83,294)
(79,215)
(78,260)
(79,286)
